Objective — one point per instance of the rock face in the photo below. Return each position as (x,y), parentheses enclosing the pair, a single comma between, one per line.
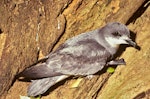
(30,29)
(133,79)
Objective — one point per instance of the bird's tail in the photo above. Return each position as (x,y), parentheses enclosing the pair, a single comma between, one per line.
(40,86)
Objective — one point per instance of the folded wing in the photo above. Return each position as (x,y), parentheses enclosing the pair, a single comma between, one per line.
(83,58)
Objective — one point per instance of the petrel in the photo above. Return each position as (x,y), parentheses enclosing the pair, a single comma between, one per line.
(82,55)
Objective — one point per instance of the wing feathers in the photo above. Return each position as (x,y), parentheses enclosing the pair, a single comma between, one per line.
(40,86)
(39,71)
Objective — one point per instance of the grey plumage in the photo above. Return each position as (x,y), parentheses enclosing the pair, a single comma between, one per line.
(84,55)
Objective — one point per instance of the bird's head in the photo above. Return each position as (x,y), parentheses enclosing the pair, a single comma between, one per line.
(116,34)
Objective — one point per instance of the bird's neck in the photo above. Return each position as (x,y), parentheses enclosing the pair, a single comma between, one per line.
(110,41)
(101,39)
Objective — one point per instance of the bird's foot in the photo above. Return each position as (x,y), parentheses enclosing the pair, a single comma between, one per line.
(116,62)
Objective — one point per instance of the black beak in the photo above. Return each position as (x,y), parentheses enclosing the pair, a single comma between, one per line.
(132,43)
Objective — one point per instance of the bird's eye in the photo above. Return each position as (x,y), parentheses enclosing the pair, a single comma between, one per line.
(116,34)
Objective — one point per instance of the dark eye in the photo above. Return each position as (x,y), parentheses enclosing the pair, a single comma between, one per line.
(116,34)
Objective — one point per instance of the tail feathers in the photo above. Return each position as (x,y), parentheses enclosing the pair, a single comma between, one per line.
(39,71)
(40,86)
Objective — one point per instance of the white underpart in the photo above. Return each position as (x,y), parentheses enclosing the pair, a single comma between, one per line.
(115,42)
(90,76)
(62,78)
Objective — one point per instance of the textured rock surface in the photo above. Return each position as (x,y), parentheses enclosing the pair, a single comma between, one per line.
(130,80)
(27,28)
(41,26)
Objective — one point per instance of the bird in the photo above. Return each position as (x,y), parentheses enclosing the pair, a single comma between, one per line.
(82,55)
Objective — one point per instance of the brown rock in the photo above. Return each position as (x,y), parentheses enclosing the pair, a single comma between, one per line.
(29,27)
